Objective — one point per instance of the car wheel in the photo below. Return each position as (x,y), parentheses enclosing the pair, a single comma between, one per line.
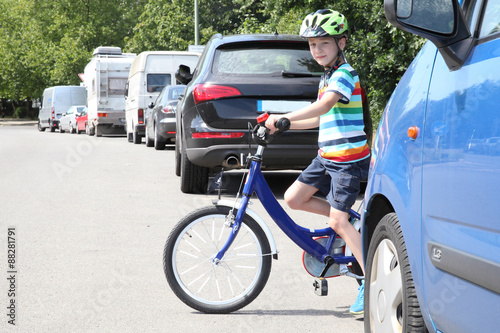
(61,129)
(40,128)
(391,303)
(194,179)
(88,130)
(149,141)
(97,131)
(136,138)
(158,140)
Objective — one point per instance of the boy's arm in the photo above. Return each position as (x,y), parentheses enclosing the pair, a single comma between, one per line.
(307,117)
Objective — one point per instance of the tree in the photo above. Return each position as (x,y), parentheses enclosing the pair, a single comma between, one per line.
(48,42)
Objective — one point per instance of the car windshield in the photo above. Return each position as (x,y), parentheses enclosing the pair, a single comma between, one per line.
(258,59)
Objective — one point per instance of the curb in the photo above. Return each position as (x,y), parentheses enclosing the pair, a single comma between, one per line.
(17,122)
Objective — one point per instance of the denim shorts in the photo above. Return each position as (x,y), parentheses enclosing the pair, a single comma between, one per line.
(339,182)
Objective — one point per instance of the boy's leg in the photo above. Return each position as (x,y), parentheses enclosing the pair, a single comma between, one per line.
(339,221)
(299,196)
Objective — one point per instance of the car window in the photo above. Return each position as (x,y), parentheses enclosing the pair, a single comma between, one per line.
(491,19)
(156,82)
(471,9)
(117,86)
(264,60)
(175,93)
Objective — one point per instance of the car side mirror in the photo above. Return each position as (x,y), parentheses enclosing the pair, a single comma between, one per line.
(442,23)
(151,105)
(183,74)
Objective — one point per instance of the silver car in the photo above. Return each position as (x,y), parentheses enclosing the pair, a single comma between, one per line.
(68,121)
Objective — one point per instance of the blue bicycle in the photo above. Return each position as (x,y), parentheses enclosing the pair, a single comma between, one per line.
(218,259)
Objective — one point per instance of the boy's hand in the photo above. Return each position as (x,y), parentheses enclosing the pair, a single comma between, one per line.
(270,122)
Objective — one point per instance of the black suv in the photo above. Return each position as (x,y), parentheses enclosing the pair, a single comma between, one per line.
(238,78)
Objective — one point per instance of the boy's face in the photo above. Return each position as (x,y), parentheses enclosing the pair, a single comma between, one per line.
(324,50)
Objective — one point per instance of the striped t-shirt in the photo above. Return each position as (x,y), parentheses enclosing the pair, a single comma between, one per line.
(341,131)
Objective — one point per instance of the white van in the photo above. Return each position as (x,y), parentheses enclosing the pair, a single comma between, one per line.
(150,72)
(56,101)
(105,77)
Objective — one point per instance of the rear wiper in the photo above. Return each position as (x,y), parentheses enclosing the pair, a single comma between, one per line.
(297,74)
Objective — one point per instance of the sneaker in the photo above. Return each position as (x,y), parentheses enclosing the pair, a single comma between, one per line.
(358,307)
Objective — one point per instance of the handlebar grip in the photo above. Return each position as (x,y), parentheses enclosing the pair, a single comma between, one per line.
(283,124)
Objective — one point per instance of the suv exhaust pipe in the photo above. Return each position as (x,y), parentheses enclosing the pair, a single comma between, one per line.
(231,162)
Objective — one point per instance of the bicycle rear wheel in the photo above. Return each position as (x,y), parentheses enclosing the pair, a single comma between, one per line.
(224,287)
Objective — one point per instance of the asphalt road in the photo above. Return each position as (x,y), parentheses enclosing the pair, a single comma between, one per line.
(90,217)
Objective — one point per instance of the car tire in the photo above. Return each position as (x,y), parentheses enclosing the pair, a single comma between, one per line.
(97,131)
(390,306)
(40,128)
(159,143)
(88,130)
(61,129)
(194,179)
(136,138)
(149,142)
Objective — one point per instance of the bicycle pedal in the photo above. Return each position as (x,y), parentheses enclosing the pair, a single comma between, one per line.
(320,286)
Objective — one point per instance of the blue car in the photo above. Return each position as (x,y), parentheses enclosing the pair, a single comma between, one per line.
(431,235)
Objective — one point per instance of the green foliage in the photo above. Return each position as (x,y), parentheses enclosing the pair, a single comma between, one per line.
(20,112)
(48,42)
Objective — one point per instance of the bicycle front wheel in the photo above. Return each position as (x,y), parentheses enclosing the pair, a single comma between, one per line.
(221,287)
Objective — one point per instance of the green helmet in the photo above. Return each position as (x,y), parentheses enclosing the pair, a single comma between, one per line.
(324,22)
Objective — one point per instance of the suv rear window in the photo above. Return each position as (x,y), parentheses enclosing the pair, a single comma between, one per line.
(258,59)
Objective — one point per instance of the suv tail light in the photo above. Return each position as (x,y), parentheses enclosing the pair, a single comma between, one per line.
(53,114)
(207,92)
(218,135)
(141,116)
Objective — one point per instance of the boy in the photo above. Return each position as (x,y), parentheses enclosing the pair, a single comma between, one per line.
(343,156)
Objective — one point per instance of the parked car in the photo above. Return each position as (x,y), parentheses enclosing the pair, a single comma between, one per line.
(430,227)
(149,73)
(160,117)
(237,79)
(81,122)
(56,101)
(68,120)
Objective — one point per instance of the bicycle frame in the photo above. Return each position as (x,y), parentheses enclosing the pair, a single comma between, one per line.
(301,236)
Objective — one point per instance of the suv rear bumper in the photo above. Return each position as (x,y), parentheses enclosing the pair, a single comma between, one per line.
(234,156)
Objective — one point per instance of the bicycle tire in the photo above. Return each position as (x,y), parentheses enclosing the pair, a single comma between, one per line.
(216,288)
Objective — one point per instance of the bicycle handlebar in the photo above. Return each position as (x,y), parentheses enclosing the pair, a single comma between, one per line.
(261,132)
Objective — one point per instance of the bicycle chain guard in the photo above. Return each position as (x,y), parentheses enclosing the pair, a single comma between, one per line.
(314,267)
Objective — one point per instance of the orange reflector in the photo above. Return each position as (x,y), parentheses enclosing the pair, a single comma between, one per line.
(413,132)
(102,114)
